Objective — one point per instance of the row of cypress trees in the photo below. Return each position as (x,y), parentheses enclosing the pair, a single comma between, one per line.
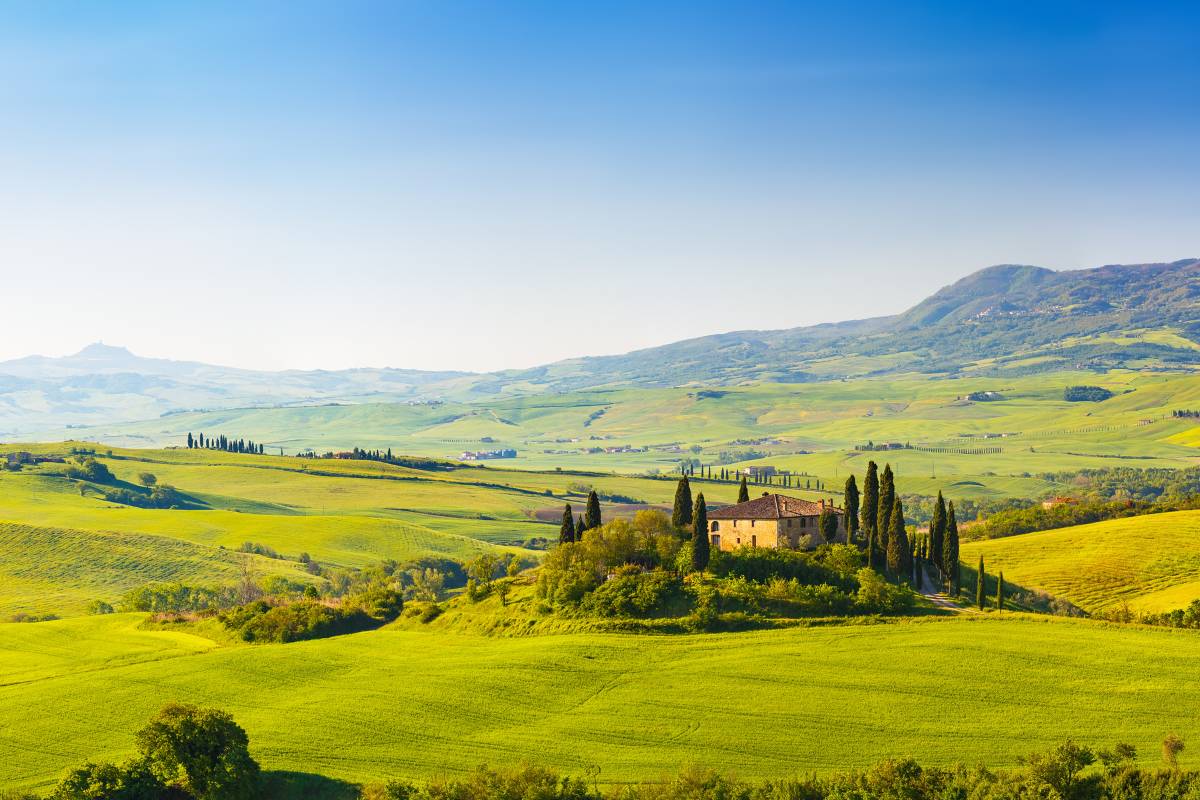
(222,442)
(572,529)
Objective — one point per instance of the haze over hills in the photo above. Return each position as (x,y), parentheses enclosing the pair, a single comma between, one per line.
(1009,318)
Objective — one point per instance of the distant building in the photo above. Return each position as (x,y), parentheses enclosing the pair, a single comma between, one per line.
(1055,502)
(772,520)
(483,455)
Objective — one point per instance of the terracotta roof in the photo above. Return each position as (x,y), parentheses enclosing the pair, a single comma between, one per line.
(770,506)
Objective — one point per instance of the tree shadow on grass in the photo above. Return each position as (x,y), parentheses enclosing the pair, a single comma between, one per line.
(284,785)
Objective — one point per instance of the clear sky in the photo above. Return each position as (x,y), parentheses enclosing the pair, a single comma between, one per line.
(440,184)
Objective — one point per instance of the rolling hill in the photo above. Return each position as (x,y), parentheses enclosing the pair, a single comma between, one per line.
(637,707)
(1151,562)
(1003,320)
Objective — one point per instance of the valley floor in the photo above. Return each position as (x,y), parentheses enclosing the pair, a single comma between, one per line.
(415,703)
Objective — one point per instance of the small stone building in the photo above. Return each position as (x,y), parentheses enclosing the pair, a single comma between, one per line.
(772,520)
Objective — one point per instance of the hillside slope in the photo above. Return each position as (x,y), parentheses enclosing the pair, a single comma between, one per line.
(1150,562)
(637,707)
(1006,318)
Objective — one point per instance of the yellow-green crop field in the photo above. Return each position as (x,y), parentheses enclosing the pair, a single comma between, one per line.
(811,428)
(1152,562)
(414,703)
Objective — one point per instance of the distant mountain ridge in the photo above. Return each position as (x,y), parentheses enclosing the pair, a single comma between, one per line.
(1013,318)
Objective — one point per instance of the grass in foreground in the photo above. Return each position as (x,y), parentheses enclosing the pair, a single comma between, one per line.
(392,703)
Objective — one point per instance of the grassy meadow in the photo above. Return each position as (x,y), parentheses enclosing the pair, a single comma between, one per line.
(421,703)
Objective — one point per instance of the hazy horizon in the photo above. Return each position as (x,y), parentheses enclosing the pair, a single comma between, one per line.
(479,187)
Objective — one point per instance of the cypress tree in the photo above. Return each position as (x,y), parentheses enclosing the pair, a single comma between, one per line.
(950,550)
(887,499)
(937,531)
(700,543)
(592,515)
(743,492)
(190,443)
(566,533)
(579,528)
(869,508)
(850,501)
(979,598)
(1000,591)
(899,555)
(681,516)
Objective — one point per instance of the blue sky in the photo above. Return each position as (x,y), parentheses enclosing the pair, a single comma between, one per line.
(502,184)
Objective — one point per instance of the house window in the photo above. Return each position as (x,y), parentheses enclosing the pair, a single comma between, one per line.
(751,523)
(716,526)
(716,541)
(754,541)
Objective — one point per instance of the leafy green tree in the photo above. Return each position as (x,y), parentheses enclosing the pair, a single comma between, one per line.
(147,479)
(592,515)
(850,501)
(132,781)
(202,750)
(937,532)
(743,492)
(827,524)
(887,499)
(700,543)
(566,532)
(950,550)
(1060,768)
(979,590)
(681,516)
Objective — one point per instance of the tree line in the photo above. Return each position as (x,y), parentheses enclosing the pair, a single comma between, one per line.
(223,442)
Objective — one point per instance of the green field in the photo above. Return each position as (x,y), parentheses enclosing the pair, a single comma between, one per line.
(400,702)
(811,428)
(1150,562)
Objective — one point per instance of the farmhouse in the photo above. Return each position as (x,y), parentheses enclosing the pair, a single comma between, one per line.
(772,520)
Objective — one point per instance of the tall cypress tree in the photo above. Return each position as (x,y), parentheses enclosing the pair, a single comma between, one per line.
(579,528)
(870,502)
(190,442)
(893,549)
(937,531)
(700,543)
(566,532)
(743,492)
(1000,591)
(950,550)
(897,543)
(592,516)
(887,499)
(979,590)
(681,516)
(850,500)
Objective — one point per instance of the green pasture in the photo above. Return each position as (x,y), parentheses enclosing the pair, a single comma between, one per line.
(809,427)
(1151,562)
(393,703)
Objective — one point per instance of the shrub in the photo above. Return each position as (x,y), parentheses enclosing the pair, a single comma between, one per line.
(1086,394)
(99,607)
(262,622)
(89,469)
(875,595)
(638,595)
